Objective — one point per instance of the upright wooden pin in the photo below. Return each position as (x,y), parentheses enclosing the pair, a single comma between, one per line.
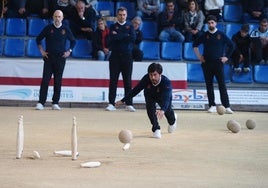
(20,138)
(74,140)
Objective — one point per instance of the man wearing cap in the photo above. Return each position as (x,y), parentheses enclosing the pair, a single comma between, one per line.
(217,50)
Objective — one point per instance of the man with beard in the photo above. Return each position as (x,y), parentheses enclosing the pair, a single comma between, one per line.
(217,50)
(157,89)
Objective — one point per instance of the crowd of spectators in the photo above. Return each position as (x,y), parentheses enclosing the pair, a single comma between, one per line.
(178,21)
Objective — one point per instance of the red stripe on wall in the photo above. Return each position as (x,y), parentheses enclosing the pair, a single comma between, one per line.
(77,82)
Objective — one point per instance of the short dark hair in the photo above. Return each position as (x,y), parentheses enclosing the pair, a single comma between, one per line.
(211,17)
(155,67)
(245,28)
(121,9)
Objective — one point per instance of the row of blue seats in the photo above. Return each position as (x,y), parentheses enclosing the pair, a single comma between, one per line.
(259,74)
(153,50)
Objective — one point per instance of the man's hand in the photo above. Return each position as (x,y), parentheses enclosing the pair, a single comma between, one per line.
(159,114)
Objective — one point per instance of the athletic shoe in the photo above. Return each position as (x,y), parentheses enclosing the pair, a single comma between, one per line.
(237,70)
(229,111)
(157,134)
(172,128)
(130,108)
(212,109)
(39,106)
(246,69)
(110,107)
(55,107)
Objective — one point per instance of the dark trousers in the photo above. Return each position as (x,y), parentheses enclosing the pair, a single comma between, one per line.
(151,101)
(211,69)
(54,64)
(259,51)
(236,57)
(120,63)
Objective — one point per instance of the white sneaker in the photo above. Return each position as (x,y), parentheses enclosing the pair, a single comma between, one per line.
(157,133)
(172,128)
(55,107)
(229,111)
(130,108)
(246,69)
(212,109)
(110,107)
(39,106)
(237,70)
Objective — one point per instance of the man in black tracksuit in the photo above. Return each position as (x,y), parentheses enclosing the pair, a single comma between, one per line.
(54,57)
(122,38)
(157,89)
(217,50)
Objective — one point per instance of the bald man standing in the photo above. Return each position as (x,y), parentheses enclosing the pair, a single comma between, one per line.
(54,57)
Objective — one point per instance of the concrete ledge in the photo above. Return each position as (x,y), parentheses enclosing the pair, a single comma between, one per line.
(17,103)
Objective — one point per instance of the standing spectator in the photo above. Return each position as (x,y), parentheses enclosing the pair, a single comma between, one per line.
(241,40)
(193,21)
(214,7)
(257,9)
(157,89)
(100,41)
(148,8)
(54,57)
(217,50)
(15,9)
(170,23)
(259,39)
(82,21)
(122,38)
(137,53)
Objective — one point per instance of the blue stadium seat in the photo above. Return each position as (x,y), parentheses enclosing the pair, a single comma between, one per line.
(232,12)
(162,6)
(195,73)
(2,26)
(35,26)
(1,46)
(14,47)
(151,50)
(32,49)
(242,77)
(149,30)
(15,27)
(82,49)
(260,74)
(253,26)
(232,28)
(227,73)
(171,50)
(188,51)
(107,7)
(130,6)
